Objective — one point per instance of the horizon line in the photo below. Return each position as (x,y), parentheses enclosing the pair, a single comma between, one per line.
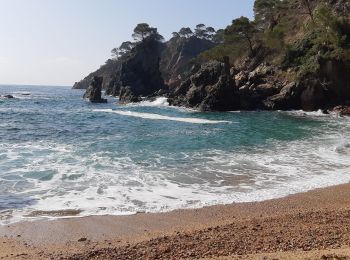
(33,85)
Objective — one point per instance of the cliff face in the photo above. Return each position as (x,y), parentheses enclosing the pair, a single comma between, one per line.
(211,88)
(177,56)
(175,63)
(138,73)
(301,61)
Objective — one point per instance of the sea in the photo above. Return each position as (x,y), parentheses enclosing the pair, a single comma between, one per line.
(61,156)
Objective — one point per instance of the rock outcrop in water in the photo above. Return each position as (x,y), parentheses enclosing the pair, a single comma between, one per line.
(341,110)
(8,96)
(211,88)
(93,92)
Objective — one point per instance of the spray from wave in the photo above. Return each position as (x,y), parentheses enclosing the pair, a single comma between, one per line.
(158,102)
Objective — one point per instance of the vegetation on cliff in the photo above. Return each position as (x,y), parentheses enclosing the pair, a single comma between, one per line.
(295,54)
(296,32)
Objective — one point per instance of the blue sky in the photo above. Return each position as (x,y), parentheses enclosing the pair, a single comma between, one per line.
(58,42)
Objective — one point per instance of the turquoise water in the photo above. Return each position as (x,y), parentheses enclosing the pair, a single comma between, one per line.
(58,152)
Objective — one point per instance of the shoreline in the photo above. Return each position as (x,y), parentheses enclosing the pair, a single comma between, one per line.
(137,235)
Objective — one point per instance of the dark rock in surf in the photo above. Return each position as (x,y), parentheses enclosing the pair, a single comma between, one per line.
(9,96)
(341,110)
(93,93)
(126,95)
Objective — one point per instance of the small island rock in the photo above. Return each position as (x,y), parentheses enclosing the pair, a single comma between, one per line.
(93,93)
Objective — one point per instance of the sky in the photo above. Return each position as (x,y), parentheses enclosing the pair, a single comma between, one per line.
(59,42)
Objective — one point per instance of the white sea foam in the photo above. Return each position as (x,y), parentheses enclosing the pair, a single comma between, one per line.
(158,102)
(318,113)
(55,175)
(22,93)
(161,117)
(209,177)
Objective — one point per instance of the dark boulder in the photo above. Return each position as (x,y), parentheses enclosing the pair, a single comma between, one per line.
(210,89)
(93,92)
(9,96)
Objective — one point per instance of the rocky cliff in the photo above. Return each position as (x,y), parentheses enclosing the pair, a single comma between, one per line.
(139,73)
(301,60)
(93,92)
(175,62)
(176,59)
(211,88)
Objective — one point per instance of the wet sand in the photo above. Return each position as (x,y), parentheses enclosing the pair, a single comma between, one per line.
(312,225)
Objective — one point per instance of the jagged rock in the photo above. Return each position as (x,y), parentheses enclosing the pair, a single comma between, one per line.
(266,90)
(288,98)
(252,97)
(210,89)
(260,72)
(127,95)
(9,96)
(341,110)
(93,93)
(241,78)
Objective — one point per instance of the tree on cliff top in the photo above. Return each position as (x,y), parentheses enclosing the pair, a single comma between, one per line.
(124,48)
(185,32)
(241,28)
(143,31)
(201,31)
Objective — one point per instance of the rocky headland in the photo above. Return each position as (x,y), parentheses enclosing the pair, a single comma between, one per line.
(282,60)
